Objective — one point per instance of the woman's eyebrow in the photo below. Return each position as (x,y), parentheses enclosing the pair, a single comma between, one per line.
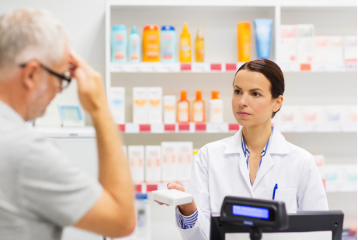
(251,90)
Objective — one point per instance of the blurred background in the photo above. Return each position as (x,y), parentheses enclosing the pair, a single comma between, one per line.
(153,69)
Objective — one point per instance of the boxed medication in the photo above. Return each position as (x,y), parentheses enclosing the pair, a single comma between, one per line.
(136,160)
(185,155)
(152,164)
(155,104)
(287,46)
(117,104)
(335,48)
(169,109)
(305,43)
(169,162)
(140,105)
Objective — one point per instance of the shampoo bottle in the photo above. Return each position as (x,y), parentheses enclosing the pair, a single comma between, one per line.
(216,108)
(183,115)
(244,41)
(185,45)
(168,44)
(198,109)
(119,43)
(151,41)
(199,47)
(134,46)
(263,31)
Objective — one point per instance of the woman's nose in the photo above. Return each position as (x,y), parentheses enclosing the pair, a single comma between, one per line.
(243,101)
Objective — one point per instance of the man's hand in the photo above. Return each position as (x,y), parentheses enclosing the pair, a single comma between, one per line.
(90,85)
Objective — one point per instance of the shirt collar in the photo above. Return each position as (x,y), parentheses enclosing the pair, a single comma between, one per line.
(278,144)
(9,114)
(246,150)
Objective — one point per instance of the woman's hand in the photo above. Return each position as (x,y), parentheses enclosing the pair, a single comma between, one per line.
(185,209)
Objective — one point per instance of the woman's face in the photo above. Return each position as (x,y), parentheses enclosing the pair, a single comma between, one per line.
(252,102)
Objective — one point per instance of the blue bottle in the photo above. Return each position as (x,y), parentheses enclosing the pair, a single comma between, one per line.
(119,43)
(263,31)
(168,44)
(134,53)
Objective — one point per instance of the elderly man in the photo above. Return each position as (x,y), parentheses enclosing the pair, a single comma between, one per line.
(41,191)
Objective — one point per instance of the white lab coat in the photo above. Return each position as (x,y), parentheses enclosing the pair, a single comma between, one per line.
(220,170)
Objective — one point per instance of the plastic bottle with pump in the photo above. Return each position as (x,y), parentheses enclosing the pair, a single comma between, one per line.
(199,47)
(183,114)
(216,108)
(134,52)
(198,108)
(185,45)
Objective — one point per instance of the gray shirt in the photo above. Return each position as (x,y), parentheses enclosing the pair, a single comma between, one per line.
(41,191)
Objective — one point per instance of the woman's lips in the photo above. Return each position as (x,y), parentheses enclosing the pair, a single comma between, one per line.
(243,114)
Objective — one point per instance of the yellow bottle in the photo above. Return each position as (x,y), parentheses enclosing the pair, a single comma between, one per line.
(199,47)
(244,41)
(185,45)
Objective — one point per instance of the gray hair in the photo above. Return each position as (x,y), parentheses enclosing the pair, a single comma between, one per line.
(30,34)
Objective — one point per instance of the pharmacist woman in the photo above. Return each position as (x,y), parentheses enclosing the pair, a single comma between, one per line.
(253,162)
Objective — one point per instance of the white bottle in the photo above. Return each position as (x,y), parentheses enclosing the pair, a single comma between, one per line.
(216,108)
(169,109)
(155,105)
(134,55)
(140,105)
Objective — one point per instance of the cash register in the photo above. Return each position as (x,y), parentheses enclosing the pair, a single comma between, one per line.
(256,216)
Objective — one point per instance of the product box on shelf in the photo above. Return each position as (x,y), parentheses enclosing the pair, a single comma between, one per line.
(185,154)
(350,53)
(152,164)
(140,105)
(335,49)
(321,49)
(320,165)
(305,43)
(136,163)
(169,161)
(117,104)
(169,109)
(341,177)
(287,48)
(155,104)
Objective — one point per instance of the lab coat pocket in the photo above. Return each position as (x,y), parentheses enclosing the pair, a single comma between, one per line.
(289,197)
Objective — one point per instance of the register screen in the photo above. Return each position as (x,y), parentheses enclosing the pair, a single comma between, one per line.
(254,212)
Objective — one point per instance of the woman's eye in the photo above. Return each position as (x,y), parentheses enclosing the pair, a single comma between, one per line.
(237,92)
(256,94)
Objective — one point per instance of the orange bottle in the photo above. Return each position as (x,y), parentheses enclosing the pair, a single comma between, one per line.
(244,41)
(151,44)
(185,45)
(183,109)
(199,47)
(198,109)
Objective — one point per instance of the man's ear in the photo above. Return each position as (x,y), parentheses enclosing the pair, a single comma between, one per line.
(31,75)
(278,103)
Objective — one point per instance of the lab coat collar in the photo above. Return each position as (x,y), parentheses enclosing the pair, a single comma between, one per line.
(9,114)
(277,145)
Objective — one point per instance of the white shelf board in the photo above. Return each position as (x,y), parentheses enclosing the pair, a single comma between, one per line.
(191,128)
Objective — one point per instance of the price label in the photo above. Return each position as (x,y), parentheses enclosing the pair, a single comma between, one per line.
(289,67)
(200,67)
(152,187)
(200,127)
(319,67)
(138,188)
(169,127)
(147,67)
(234,127)
(132,128)
(122,127)
(351,65)
(184,127)
(117,67)
(305,67)
(215,67)
(185,67)
(168,67)
(230,67)
(144,128)
(217,127)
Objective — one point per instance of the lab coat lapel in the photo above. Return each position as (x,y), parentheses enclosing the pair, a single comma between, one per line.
(266,165)
(234,147)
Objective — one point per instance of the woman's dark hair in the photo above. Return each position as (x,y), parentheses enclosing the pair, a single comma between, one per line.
(271,71)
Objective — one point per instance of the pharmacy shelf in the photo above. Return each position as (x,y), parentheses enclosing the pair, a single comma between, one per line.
(192,128)
(331,187)
(349,66)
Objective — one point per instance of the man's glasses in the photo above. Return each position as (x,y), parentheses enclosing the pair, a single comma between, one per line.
(65,80)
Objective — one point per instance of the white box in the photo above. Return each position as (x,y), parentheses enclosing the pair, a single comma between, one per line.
(117,104)
(136,160)
(140,105)
(287,46)
(155,105)
(305,43)
(152,164)
(185,156)
(172,197)
(321,49)
(335,48)
(170,109)
(350,48)
(320,164)
(169,161)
